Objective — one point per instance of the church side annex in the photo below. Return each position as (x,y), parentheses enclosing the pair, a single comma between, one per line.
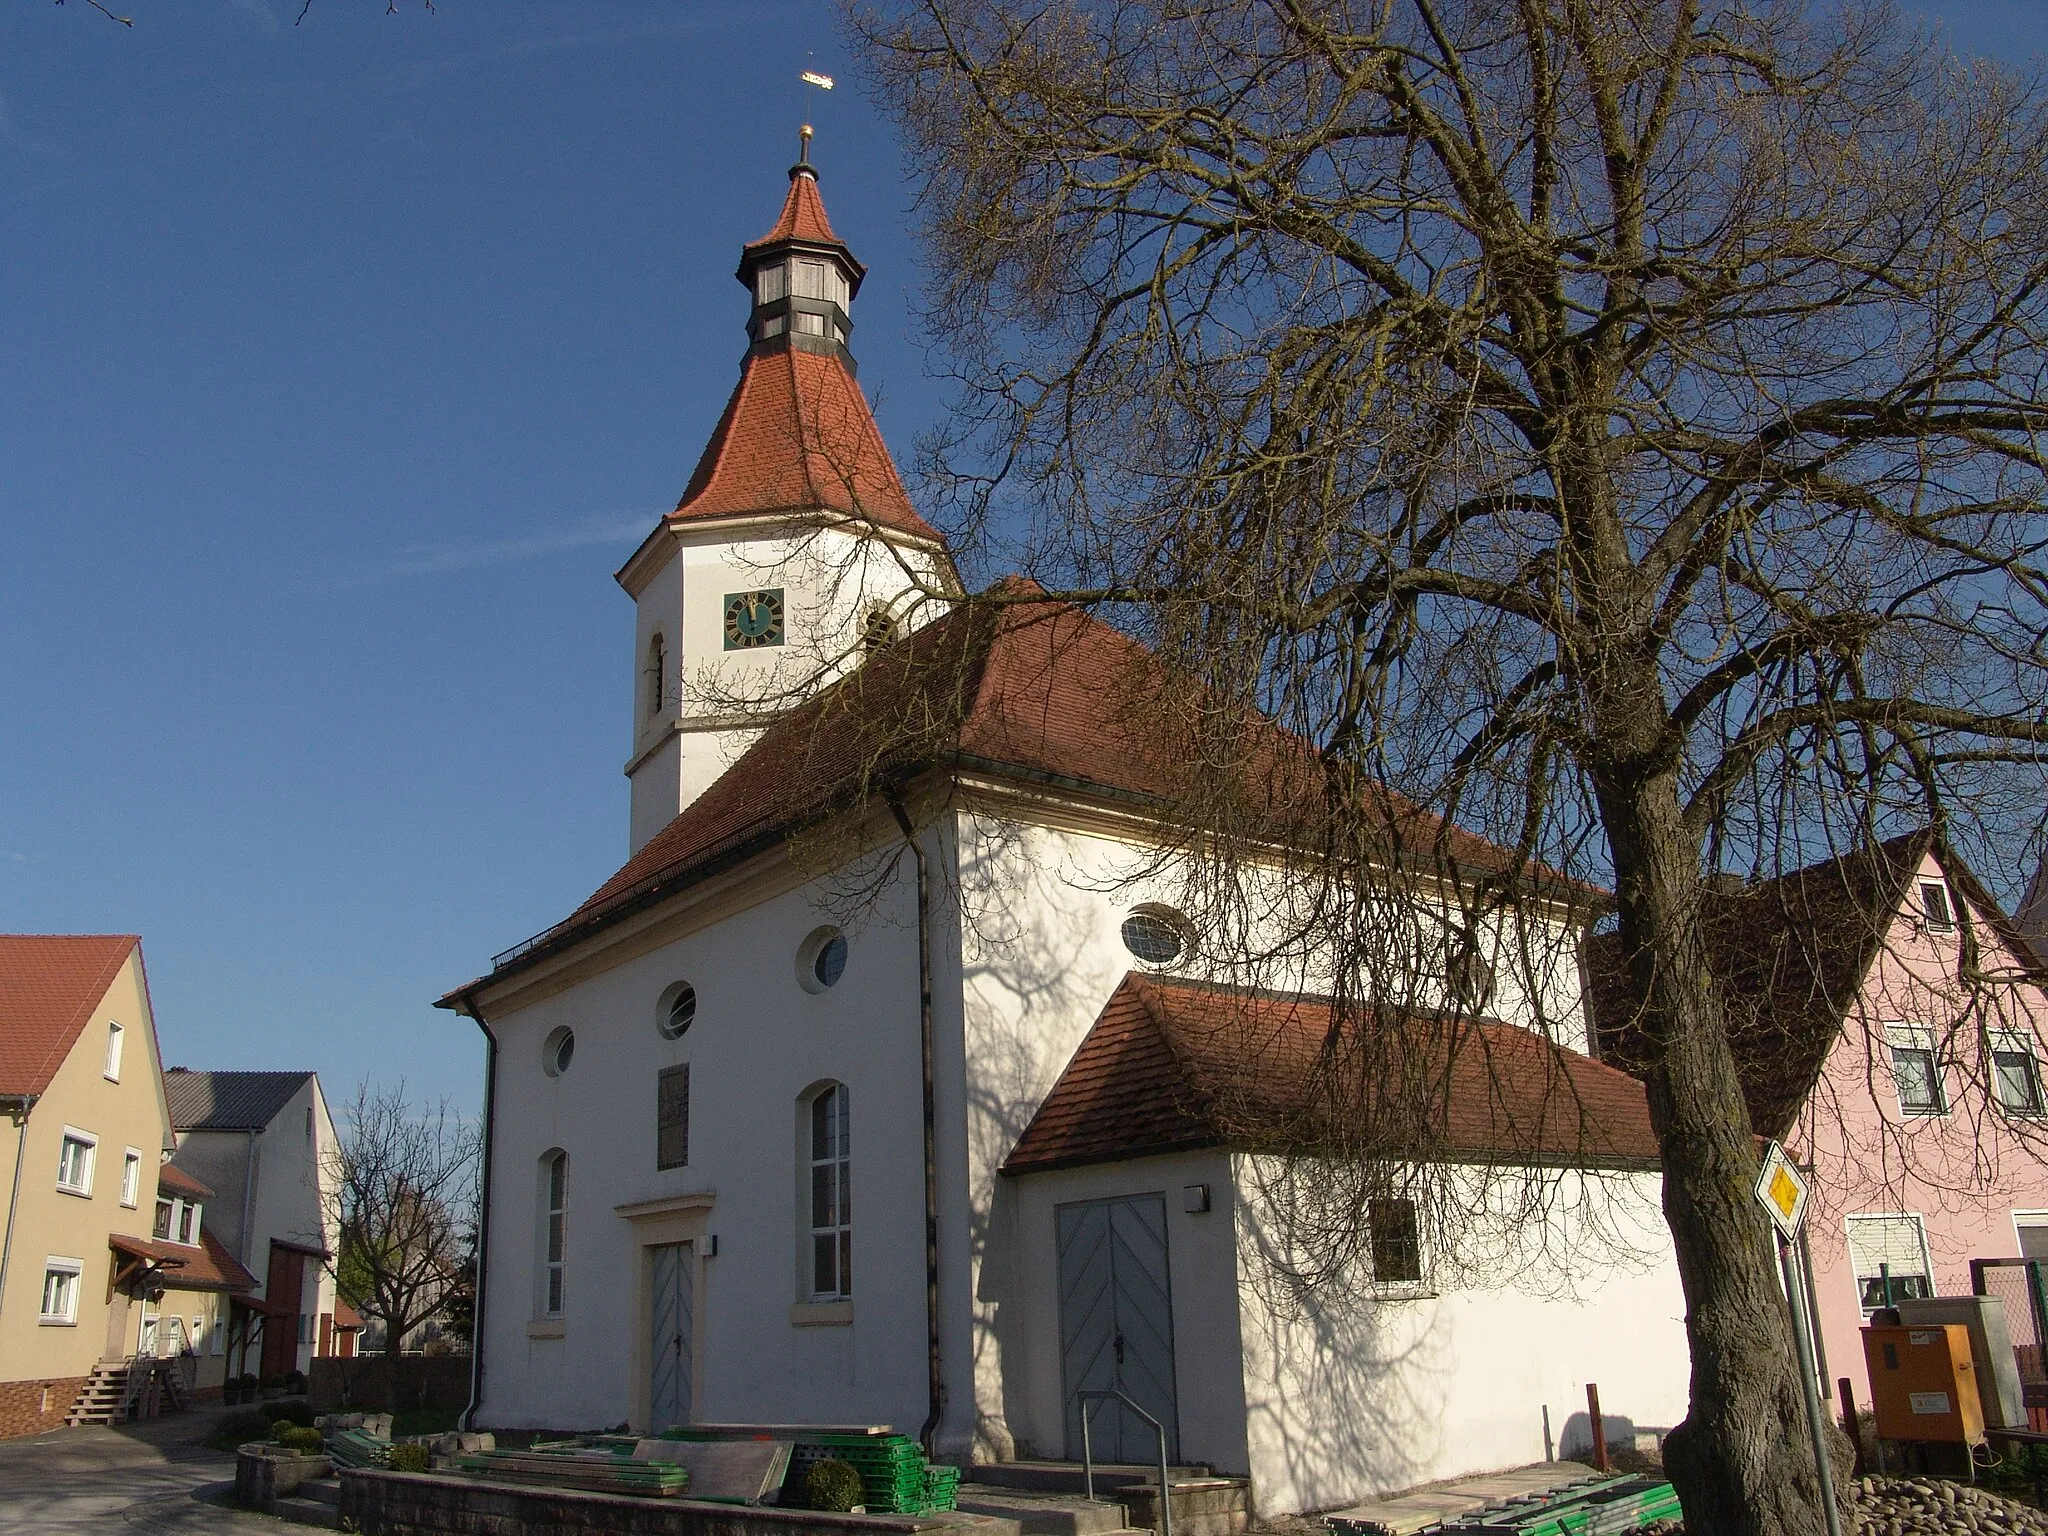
(886,1082)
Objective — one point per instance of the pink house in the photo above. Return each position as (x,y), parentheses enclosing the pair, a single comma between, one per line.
(1890,1024)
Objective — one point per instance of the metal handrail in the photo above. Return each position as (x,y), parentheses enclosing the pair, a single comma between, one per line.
(1088,1452)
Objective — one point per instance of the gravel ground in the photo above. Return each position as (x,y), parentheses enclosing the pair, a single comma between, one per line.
(1919,1506)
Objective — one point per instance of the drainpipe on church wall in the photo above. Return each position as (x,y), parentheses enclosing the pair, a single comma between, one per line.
(483,1221)
(21,1107)
(935,1381)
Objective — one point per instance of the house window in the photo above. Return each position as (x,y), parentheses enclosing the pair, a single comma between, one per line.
(198,1334)
(60,1292)
(554,1230)
(2015,1074)
(831,1196)
(672,1139)
(1469,972)
(1894,1245)
(1934,907)
(1396,1241)
(162,1228)
(74,1162)
(877,629)
(188,1223)
(131,1177)
(558,1050)
(657,675)
(113,1072)
(1916,1069)
(2031,1228)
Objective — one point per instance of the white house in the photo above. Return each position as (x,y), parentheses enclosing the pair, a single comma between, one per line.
(905,941)
(263,1142)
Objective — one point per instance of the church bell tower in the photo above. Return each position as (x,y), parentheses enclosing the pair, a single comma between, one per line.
(794,548)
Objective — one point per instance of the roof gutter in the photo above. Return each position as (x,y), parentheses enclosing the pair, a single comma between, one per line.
(20,1106)
(935,1380)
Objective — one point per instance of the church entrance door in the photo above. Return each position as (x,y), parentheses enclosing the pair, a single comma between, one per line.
(1116,1325)
(668,1394)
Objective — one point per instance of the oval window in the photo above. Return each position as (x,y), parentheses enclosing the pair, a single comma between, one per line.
(1155,936)
(678,1010)
(557,1052)
(821,959)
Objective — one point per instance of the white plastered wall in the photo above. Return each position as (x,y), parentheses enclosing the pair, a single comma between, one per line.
(714,700)
(758,1043)
(1348,1396)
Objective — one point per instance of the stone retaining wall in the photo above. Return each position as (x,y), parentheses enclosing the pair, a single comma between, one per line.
(434,1504)
(31,1407)
(267,1473)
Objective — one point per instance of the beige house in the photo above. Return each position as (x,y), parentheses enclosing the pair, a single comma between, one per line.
(98,1249)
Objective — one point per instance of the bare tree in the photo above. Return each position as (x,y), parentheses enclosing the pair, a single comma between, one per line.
(401,1195)
(1614,426)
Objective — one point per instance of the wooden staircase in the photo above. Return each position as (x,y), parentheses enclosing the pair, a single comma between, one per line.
(104,1397)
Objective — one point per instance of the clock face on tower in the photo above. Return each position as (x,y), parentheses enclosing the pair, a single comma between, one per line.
(753,619)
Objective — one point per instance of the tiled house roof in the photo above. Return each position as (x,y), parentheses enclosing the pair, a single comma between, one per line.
(173,1180)
(797,436)
(205,1266)
(1791,955)
(228,1101)
(1034,690)
(1171,1065)
(49,986)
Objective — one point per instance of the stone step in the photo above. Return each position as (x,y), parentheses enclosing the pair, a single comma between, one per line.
(1065,1476)
(307,1511)
(326,1489)
(1044,1514)
(1209,1506)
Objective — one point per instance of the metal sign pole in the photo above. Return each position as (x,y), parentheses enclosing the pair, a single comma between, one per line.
(1802,1342)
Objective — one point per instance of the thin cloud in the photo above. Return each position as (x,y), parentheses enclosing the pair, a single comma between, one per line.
(441,559)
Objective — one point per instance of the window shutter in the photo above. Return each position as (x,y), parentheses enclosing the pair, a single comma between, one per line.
(1893,1240)
(673,1113)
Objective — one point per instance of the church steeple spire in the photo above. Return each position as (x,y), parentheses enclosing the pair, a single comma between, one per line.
(801,275)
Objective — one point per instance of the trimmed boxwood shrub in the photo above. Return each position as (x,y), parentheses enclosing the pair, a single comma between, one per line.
(294,1437)
(832,1484)
(409,1458)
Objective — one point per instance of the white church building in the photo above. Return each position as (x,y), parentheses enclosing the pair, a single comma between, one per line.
(884,1083)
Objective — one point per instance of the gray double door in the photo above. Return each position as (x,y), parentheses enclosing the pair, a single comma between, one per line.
(668,1395)
(1116,1325)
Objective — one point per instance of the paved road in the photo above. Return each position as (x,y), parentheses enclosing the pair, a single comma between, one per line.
(153,1477)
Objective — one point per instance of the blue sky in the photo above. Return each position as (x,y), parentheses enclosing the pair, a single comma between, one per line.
(340,365)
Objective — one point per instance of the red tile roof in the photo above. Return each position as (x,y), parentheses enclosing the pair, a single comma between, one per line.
(803,216)
(1171,1065)
(206,1266)
(797,436)
(346,1317)
(1036,689)
(171,1179)
(49,986)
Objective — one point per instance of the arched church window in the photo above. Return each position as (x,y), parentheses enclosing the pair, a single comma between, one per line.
(554,1229)
(831,1209)
(877,629)
(1157,936)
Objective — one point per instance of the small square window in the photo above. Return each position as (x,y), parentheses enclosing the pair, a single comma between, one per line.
(2015,1074)
(60,1291)
(1396,1242)
(74,1162)
(1916,1069)
(1934,907)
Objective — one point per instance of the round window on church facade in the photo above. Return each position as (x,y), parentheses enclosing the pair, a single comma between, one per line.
(1156,935)
(557,1050)
(821,959)
(677,1010)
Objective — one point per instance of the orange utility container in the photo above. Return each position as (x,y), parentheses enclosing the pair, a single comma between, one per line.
(1923,1384)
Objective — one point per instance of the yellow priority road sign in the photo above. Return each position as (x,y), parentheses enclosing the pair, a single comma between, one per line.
(1781,1190)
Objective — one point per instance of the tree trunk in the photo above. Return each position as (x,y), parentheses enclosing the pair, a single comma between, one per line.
(1742,1460)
